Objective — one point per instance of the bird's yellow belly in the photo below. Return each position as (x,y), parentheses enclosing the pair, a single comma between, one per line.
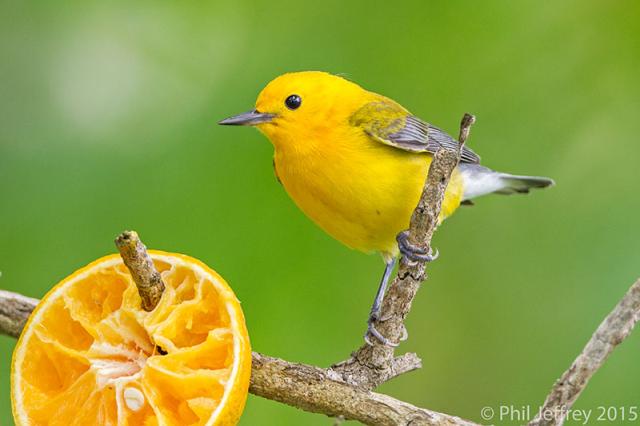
(363,197)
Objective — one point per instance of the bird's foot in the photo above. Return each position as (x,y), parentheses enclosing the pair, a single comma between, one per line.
(413,252)
(372,331)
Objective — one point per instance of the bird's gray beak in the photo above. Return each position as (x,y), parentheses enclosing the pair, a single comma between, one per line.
(249,118)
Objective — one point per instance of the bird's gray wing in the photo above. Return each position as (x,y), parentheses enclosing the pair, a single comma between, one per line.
(389,123)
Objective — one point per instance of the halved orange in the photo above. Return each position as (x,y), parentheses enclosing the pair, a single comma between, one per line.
(90,355)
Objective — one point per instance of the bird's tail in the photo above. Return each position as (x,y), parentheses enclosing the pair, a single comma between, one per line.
(522,184)
(479,180)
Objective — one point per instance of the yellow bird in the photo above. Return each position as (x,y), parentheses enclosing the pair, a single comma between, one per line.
(355,162)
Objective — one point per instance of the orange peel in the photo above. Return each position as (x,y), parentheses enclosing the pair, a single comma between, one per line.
(90,354)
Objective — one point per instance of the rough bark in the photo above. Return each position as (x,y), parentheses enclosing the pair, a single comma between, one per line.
(14,312)
(320,390)
(144,274)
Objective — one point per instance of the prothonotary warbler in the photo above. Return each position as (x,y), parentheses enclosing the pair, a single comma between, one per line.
(355,162)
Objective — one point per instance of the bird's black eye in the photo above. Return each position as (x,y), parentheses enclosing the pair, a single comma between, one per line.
(293,102)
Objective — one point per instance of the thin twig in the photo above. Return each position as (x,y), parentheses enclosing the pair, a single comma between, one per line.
(612,331)
(144,274)
(373,365)
(467,121)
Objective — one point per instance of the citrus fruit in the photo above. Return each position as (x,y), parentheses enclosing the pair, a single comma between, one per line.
(90,355)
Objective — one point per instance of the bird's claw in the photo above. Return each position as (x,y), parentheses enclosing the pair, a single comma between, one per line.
(371,331)
(405,334)
(413,252)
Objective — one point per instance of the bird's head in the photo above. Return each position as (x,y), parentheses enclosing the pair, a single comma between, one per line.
(295,106)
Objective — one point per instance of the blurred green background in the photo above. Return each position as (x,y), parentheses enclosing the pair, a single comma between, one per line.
(108,117)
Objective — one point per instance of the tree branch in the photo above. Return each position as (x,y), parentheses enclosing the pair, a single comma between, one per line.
(372,365)
(612,331)
(320,390)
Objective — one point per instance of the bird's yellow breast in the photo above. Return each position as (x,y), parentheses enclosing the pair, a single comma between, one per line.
(359,191)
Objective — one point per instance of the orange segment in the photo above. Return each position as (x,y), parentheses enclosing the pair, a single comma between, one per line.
(90,354)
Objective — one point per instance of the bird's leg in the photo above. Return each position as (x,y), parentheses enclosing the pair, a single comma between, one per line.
(376,308)
(413,252)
